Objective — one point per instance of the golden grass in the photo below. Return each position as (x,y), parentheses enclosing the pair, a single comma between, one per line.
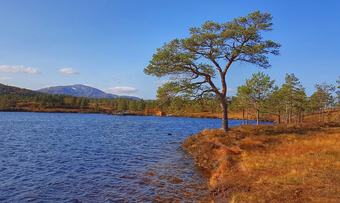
(306,167)
(328,115)
(271,163)
(231,115)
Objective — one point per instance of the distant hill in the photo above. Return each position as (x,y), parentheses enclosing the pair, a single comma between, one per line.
(10,90)
(81,91)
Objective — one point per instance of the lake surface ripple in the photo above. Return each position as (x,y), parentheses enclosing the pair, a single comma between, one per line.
(55,157)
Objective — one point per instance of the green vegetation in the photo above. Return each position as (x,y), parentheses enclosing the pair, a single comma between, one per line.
(322,98)
(256,91)
(290,98)
(194,64)
(13,98)
(259,98)
(288,103)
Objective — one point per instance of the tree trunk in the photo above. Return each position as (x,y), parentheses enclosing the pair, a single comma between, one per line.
(243,122)
(257,116)
(320,115)
(224,105)
(286,114)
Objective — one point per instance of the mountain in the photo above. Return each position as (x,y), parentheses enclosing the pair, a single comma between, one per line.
(10,90)
(77,91)
(81,91)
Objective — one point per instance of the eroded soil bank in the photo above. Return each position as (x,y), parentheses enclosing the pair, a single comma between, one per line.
(270,163)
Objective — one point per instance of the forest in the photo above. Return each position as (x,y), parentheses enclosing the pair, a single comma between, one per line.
(258,98)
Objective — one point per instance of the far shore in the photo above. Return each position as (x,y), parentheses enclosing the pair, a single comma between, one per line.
(232,115)
(313,117)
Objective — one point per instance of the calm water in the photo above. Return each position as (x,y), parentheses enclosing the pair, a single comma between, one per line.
(97,158)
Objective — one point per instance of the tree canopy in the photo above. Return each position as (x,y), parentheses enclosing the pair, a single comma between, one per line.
(256,90)
(198,62)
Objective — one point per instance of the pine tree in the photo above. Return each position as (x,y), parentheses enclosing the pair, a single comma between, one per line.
(256,90)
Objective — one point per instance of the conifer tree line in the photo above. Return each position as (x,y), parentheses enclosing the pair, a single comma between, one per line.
(258,98)
(40,101)
(289,102)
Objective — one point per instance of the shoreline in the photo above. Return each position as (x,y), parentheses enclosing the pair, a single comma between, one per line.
(189,115)
(269,162)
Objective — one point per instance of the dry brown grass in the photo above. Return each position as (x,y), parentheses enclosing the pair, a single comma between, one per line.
(231,115)
(326,116)
(271,163)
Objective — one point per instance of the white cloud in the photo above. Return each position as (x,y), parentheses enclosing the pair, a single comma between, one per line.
(123,90)
(18,69)
(68,71)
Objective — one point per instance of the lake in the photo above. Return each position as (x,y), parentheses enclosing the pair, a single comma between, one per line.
(59,157)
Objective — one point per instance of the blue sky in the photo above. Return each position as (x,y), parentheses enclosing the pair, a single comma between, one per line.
(107,43)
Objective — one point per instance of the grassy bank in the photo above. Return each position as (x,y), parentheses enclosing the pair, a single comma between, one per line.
(270,163)
(233,115)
